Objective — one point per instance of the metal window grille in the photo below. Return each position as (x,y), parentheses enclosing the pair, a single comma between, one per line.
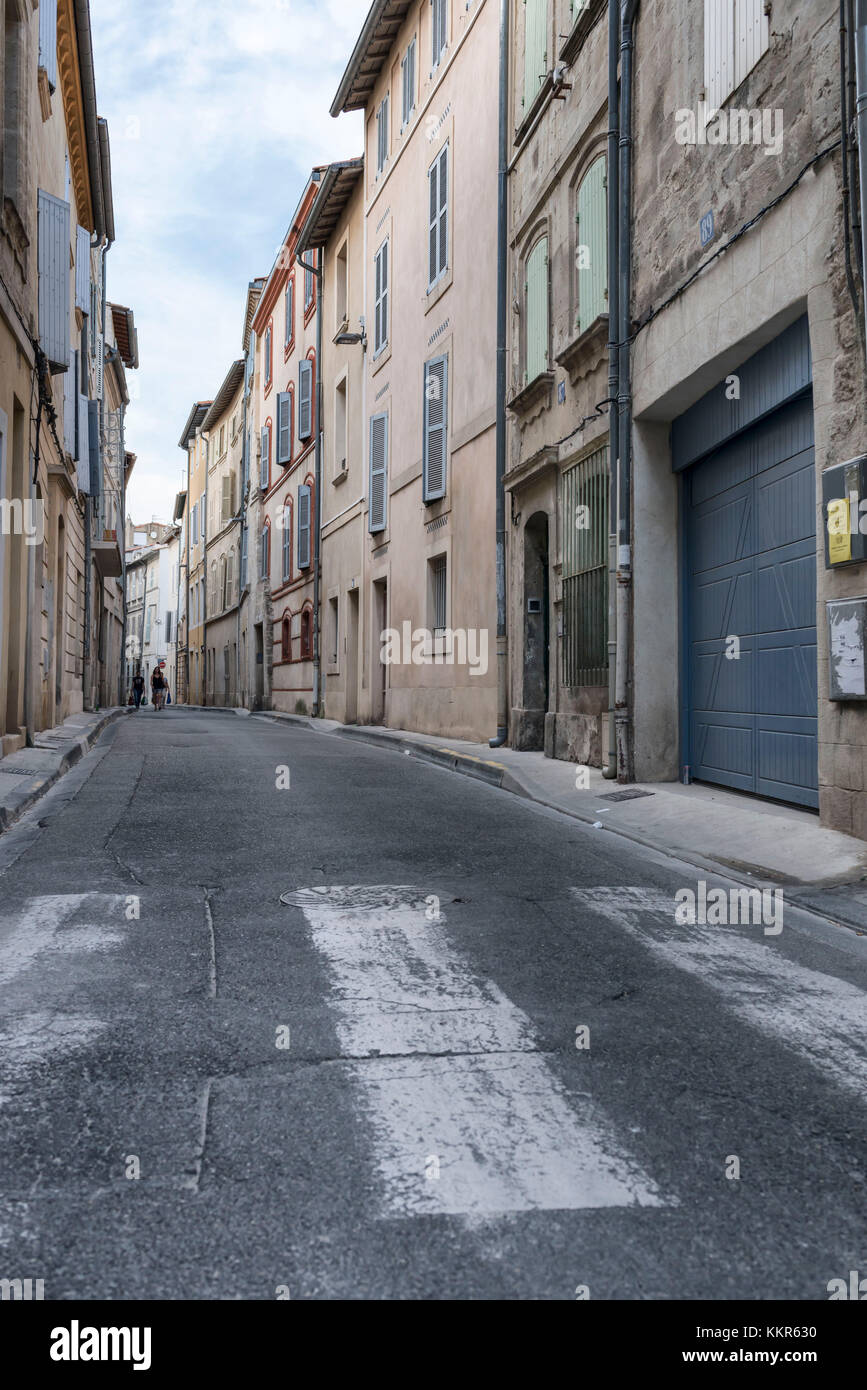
(585,490)
(438,576)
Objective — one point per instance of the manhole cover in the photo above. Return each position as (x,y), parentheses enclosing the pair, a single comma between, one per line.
(626,796)
(354,898)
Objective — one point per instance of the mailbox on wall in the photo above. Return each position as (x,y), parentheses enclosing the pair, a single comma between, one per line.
(844,510)
(847,629)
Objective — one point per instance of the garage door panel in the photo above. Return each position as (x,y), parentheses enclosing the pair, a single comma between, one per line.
(787,593)
(751,573)
(722,684)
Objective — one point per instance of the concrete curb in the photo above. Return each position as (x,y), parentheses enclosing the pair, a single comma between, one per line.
(15,805)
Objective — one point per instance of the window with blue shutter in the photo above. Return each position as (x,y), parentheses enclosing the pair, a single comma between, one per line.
(407,68)
(48,40)
(382,135)
(287,541)
(535,48)
(305,399)
(304,509)
(438,219)
(592,251)
(309,284)
(378,501)
(95,452)
(82,270)
(537,311)
(83,445)
(435,441)
(265,462)
(284,429)
(289,307)
(380,303)
(438,30)
(268,355)
(70,404)
(53,260)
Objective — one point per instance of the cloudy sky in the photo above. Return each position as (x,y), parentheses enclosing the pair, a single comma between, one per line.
(217,111)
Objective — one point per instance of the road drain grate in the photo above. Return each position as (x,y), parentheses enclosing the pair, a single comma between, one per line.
(626,796)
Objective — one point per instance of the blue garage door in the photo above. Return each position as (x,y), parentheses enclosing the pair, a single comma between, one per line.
(751,610)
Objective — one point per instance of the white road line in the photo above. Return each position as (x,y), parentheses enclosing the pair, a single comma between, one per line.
(820,1016)
(485,1131)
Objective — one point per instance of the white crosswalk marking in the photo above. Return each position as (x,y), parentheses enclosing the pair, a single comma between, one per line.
(468,1117)
(822,1017)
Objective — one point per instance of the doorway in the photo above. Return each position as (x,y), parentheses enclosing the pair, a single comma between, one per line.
(537,633)
(351,714)
(379,682)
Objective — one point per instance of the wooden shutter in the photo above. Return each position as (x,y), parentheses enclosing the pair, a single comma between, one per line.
(287,542)
(94,450)
(304,527)
(70,404)
(284,428)
(752,36)
(48,40)
(378,503)
(535,48)
(226,500)
(53,260)
(719,55)
(435,440)
(537,310)
(83,445)
(82,269)
(265,462)
(593,234)
(305,400)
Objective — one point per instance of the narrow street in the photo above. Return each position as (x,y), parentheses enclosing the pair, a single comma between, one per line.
(381,1087)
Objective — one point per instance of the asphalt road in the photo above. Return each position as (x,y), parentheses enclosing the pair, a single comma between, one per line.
(207,1092)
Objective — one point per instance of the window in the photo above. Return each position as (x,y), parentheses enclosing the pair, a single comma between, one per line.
(380,304)
(304,525)
(305,399)
(340,424)
(378,494)
(149,623)
(243,565)
(15,95)
(437,581)
(438,30)
(53,261)
(438,222)
(341,287)
(289,308)
(284,428)
(333,629)
(309,284)
(230,579)
(535,48)
(435,443)
(287,542)
(227,499)
(537,311)
(306,635)
(735,37)
(407,69)
(222,440)
(265,553)
(382,135)
(223,590)
(265,462)
(169,624)
(585,489)
(592,256)
(268,355)
(286,639)
(48,40)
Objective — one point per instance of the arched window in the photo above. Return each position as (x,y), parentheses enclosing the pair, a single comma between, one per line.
(265,567)
(306,634)
(536,347)
(268,349)
(286,643)
(591,255)
(287,541)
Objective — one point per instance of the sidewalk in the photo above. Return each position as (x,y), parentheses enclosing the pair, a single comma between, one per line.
(715,829)
(26,776)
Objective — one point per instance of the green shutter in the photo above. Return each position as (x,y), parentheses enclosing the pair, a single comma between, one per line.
(535,48)
(592,234)
(537,310)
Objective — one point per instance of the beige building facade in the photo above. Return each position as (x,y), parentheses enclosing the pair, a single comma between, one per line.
(224,428)
(424,75)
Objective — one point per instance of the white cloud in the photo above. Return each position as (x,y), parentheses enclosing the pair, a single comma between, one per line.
(217,110)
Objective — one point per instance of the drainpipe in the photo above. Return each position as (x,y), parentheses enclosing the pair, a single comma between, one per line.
(609,771)
(317,474)
(502,321)
(622,721)
(861,113)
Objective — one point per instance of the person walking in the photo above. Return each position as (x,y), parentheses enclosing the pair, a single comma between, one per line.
(158,684)
(138,688)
